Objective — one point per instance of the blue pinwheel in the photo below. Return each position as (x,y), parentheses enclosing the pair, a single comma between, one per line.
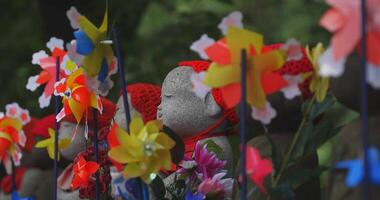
(195,196)
(16,197)
(356,168)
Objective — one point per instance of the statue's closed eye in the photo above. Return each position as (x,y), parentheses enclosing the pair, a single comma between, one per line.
(168,95)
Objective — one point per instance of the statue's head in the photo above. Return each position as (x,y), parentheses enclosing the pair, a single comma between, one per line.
(186,113)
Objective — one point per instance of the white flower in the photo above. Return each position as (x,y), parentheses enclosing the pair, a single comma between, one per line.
(73,15)
(201,44)
(73,54)
(373,75)
(13,110)
(199,88)
(24,116)
(22,138)
(293,50)
(292,90)
(2,115)
(36,57)
(329,66)
(32,83)
(264,115)
(233,19)
(44,101)
(54,43)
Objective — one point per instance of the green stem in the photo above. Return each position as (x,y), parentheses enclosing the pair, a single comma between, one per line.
(294,142)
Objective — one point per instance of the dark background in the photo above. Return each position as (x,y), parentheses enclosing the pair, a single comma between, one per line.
(155,35)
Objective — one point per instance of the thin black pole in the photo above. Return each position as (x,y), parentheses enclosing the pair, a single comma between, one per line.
(364,102)
(96,146)
(13,167)
(56,109)
(140,185)
(243,122)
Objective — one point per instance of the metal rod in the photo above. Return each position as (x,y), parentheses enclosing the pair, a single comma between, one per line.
(56,110)
(243,122)
(140,186)
(364,102)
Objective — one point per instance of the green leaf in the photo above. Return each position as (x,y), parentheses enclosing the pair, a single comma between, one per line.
(304,175)
(319,108)
(213,147)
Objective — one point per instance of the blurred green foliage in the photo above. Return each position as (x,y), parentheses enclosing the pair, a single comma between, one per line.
(155,34)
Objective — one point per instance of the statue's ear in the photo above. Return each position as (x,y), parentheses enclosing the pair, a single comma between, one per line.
(212,108)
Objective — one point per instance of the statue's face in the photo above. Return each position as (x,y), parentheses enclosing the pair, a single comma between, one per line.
(66,130)
(180,109)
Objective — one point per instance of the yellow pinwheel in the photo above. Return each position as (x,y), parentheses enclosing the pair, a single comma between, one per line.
(145,150)
(318,85)
(49,144)
(98,54)
(224,72)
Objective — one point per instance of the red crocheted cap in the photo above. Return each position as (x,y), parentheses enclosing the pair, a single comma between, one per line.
(294,68)
(103,120)
(199,66)
(145,98)
(41,128)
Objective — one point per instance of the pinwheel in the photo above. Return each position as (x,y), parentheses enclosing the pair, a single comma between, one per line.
(11,134)
(318,85)
(91,42)
(145,150)
(83,170)
(49,144)
(356,168)
(77,98)
(196,196)
(343,19)
(48,73)
(257,167)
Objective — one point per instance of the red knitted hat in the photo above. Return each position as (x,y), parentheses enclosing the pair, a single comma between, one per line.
(145,98)
(41,128)
(103,119)
(199,66)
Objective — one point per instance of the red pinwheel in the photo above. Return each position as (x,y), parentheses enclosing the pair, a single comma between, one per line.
(257,167)
(82,172)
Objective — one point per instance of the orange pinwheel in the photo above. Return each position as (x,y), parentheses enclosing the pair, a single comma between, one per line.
(83,170)
(77,98)
(224,71)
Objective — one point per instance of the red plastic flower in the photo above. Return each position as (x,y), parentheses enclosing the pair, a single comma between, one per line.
(257,168)
(82,172)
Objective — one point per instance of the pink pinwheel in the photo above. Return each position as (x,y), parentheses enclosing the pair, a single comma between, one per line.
(48,66)
(344,20)
(257,167)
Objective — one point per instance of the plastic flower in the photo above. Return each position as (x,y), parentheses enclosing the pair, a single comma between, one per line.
(356,168)
(343,19)
(257,168)
(11,134)
(199,88)
(145,150)
(292,90)
(91,42)
(318,85)
(49,144)
(264,115)
(76,97)
(224,72)
(217,187)
(204,164)
(48,73)
(233,19)
(201,44)
(82,172)
(15,196)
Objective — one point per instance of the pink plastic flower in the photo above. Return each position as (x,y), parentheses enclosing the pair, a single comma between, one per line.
(201,44)
(264,115)
(233,19)
(217,186)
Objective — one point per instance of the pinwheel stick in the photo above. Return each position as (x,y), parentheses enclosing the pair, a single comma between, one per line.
(13,167)
(364,101)
(96,147)
(140,186)
(243,121)
(56,110)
